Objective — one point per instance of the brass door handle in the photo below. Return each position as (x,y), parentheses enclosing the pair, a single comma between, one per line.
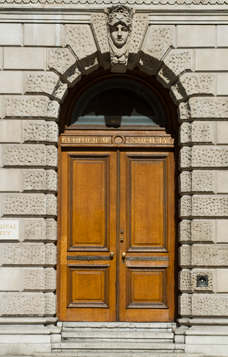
(111,255)
(123,256)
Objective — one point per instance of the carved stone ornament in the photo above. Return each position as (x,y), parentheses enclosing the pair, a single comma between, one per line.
(119,26)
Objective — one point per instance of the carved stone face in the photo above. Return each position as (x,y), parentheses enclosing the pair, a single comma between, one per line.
(119,34)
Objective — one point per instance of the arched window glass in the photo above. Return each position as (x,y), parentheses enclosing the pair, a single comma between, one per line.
(118,102)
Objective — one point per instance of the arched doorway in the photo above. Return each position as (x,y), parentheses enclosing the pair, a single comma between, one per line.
(117,204)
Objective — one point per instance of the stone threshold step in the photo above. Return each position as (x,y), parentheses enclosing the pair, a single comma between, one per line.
(113,325)
(114,345)
(117,334)
(109,353)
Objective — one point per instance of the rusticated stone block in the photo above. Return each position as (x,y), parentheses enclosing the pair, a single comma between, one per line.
(185,133)
(28,254)
(80,39)
(49,304)
(50,254)
(45,82)
(33,180)
(52,133)
(186,206)
(51,205)
(24,155)
(99,28)
(51,229)
(40,229)
(185,231)
(176,62)
(139,27)
(204,108)
(185,283)
(23,254)
(186,157)
(51,180)
(207,156)
(35,279)
(34,130)
(31,106)
(18,304)
(202,230)
(193,84)
(210,305)
(203,181)
(185,180)
(185,305)
(52,156)
(203,132)
(62,61)
(209,273)
(209,255)
(23,204)
(216,205)
(159,39)
(39,180)
(185,255)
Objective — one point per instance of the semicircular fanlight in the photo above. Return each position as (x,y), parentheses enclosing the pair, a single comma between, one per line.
(118,102)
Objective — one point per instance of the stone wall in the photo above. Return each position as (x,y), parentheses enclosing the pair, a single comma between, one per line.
(39,61)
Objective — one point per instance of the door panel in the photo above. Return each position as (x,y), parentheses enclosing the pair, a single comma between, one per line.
(116,259)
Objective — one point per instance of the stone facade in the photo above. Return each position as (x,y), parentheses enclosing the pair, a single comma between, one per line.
(42,56)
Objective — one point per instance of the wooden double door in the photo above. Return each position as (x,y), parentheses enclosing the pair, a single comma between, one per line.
(116,246)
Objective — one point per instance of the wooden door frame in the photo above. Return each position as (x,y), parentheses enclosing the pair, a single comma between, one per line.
(171,116)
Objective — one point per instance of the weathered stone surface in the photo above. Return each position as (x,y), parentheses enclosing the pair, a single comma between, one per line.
(185,283)
(35,279)
(50,304)
(196,35)
(185,255)
(99,28)
(45,82)
(39,180)
(10,130)
(210,275)
(203,181)
(10,180)
(139,27)
(185,305)
(51,229)
(176,62)
(62,61)
(185,132)
(210,305)
(24,155)
(24,58)
(40,229)
(204,156)
(185,231)
(186,206)
(23,204)
(80,39)
(36,34)
(18,304)
(31,106)
(40,131)
(52,156)
(10,279)
(33,180)
(204,108)
(202,230)
(159,39)
(203,132)
(209,255)
(185,180)
(28,254)
(51,205)
(222,230)
(216,205)
(221,280)
(11,34)
(11,82)
(193,84)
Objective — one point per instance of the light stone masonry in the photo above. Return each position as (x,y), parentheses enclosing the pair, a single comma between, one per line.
(204,108)
(204,181)
(10,180)
(35,279)
(39,180)
(217,59)
(24,58)
(40,229)
(11,34)
(11,131)
(10,279)
(22,254)
(196,36)
(40,131)
(31,106)
(99,28)
(204,157)
(11,82)
(43,35)
(201,206)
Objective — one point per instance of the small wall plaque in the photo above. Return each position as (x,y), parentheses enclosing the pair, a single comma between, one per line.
(202,281)
(9,229)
